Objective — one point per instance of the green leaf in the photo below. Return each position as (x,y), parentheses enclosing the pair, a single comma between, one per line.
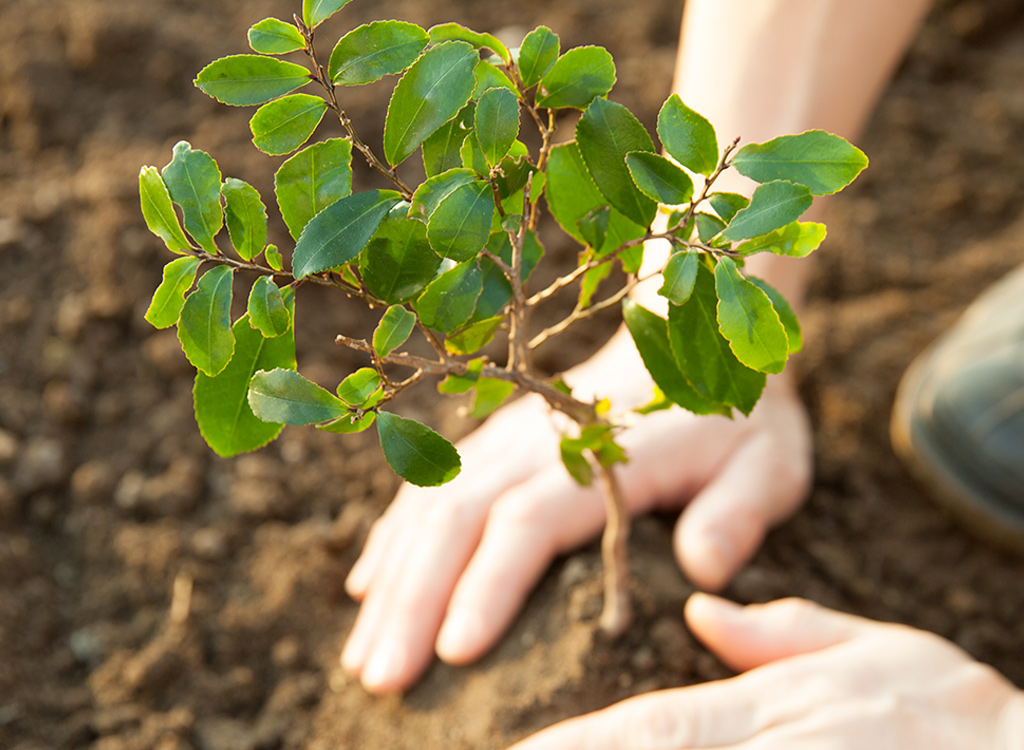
(473,156)
(786,314)
(158,211)
(490,394)
(687,137)
(497,123)
(245,80)
(266,308)
(415,452)
(658,178)
(204,328)
(178,277)
(361,389)
(708,226)
(273,256)
(512,174)
(572,195)
(374,50)
(313,179)
(398,262)
(272,36)
(431,92)
(773,205)
(449,300)
(704,356)
(193,182)
(283,125)
(650,334)
(591,281)
(447,32)
(679,277)
(748,320)
(594,226)
(283,396)
(496,289)
(460,225)
(442,150)
(727,205)
(339,233)
(246,218)
(474,337)
(599,440)
(223,414)
(823,162)
(394,328)
(315,12)
(349,424)
(537,54)
(575,462)
(797,240)
(488,76)
(605,134)
(454,384)
(577,78)
(430,193)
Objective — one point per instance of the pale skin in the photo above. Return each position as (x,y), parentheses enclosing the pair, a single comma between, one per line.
(445,570)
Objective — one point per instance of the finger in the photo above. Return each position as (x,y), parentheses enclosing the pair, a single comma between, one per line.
(722,527)
(716,714)
(525,529)
(378,541)
(751,636)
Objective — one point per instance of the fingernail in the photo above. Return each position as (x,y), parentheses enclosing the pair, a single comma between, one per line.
(384,666)
(460,635)
(714,558)
(713,606)
(352,656)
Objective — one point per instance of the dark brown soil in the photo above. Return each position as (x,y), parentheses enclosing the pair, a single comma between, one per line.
(115,517)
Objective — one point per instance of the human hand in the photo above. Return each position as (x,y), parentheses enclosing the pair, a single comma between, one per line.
(817,679)
(448,567)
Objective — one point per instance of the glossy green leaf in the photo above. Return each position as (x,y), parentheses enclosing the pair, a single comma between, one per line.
(727,205)
(460,225)
(708,226)
(374,50)
(687,136)
(339,233)
(474,337)
(748,320)
(313,179)
(496,290)
(455,384)
(786,314)
(178,277)
(431,192)
(572,195)
(447,32)
(497,123)
(398,262)
(512,175)
(193,182)
(266,308)
(473,157)
(594,226)
(394,328)
(273,256)
(272,36)
(823,162)
(650,334)
(245,80)
(442,150)
(537,54)
(204,328)
(349,424)
(679,277)
(449,300)
(158,211)
(488,76)
(605,134)
(490,394)
(315,12)
(597,439)
(283,396)
(704,356)
(797,240)
(431,92)
(283,125)
(658,178)
(415,452)
(361,388)
(577,78)
(225,419)
(579,468)
(246,217)
(773,205)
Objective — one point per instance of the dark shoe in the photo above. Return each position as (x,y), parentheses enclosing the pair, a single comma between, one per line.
(958,420)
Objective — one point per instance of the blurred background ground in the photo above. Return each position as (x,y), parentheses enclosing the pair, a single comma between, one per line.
(110,503)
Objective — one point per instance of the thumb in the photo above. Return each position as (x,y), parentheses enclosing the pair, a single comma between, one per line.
(750,636)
